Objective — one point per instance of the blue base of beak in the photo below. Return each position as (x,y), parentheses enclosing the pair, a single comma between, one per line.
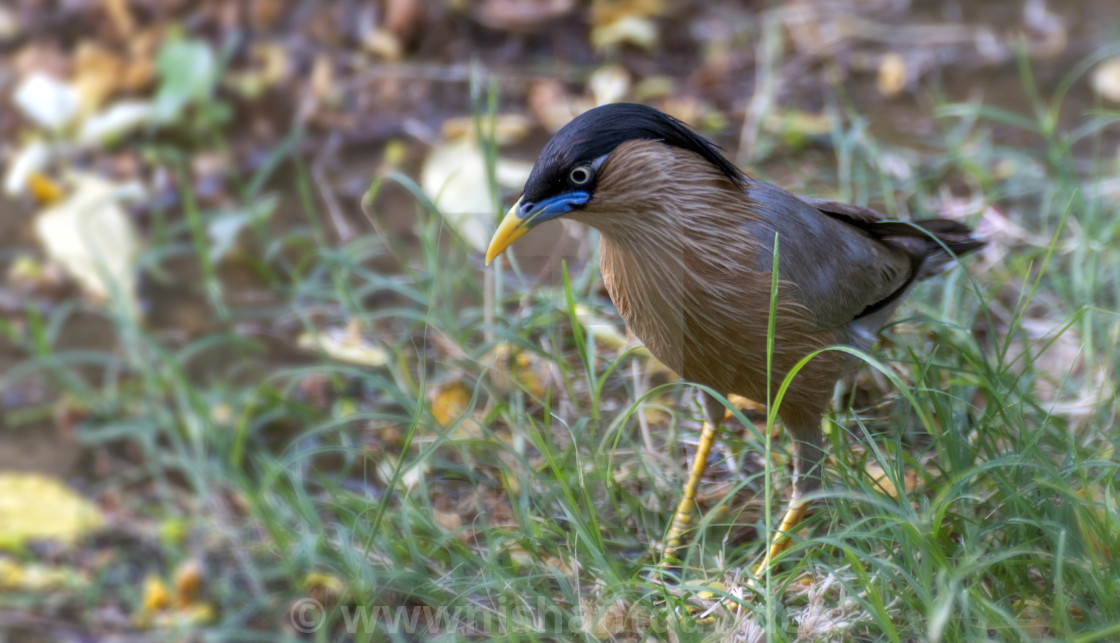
(552,207)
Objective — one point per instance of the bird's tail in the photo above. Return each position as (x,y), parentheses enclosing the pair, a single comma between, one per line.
(936,243)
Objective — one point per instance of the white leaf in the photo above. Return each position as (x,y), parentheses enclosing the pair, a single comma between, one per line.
(1106,79)
(609,84)
(345,344)
(454,177)
(115,121)
(31,158)
(47,101)
(92,238)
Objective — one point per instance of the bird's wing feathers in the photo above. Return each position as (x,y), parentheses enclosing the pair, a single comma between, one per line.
(841,268)
(854,214)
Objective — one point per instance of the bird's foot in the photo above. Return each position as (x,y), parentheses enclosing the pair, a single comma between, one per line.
(701,601)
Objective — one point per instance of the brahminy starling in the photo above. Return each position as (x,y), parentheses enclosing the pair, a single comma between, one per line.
(687,252)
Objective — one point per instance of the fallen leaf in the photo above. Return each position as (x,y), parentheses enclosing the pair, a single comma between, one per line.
(454,177)
(528,369)
(1106,79)
(35,577)
(121,16)
(519,15)
(893,74)
(629,30)
(116,121)
(97,75)
(323,587)
(622,22)
(883,481)
(609,84)
(49,102)
(345,345)
(448,520)
(157,610)
(450,402)
(32,158)
(156,596)
(321,82)
(36,507)
(553,106)
(91,237)
(383,43)
(45,190)
(188,583)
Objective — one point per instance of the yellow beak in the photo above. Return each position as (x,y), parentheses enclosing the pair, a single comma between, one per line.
(511,229)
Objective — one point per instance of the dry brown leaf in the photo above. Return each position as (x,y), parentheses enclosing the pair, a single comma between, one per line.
(384,44)
(140,69)
(625,22)
(120,15)
(97,75)
(188,583)
(884,481)
(553,105)
(631,30)
(893,74)
(527,370)
(322,80)
(265,13)
(519,15)
(448,520)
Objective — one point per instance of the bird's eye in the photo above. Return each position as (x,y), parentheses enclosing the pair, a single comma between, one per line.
(580,175)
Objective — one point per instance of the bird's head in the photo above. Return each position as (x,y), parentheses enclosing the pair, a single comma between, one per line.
(566,175)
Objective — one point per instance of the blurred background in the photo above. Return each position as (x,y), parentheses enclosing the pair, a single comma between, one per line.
(255,381)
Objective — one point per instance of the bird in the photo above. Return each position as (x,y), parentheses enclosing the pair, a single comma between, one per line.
(687,254)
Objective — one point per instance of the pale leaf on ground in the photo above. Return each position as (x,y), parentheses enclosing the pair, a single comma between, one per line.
(37,507)
(32,158)
(1106,79)
(18,576)
(610,84)
(345,345)
(93,239)
(47,101)
(454,177)
(115,121)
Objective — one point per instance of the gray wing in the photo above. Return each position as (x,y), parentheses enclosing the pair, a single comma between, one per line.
(829,250)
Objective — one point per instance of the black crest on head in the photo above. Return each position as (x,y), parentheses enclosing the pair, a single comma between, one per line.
(598,131)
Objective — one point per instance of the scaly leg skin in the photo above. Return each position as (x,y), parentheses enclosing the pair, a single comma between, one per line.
(682,519)
(808,457)
(793,517)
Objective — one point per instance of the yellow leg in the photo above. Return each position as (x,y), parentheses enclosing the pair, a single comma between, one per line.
(793,517)
(682,519)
